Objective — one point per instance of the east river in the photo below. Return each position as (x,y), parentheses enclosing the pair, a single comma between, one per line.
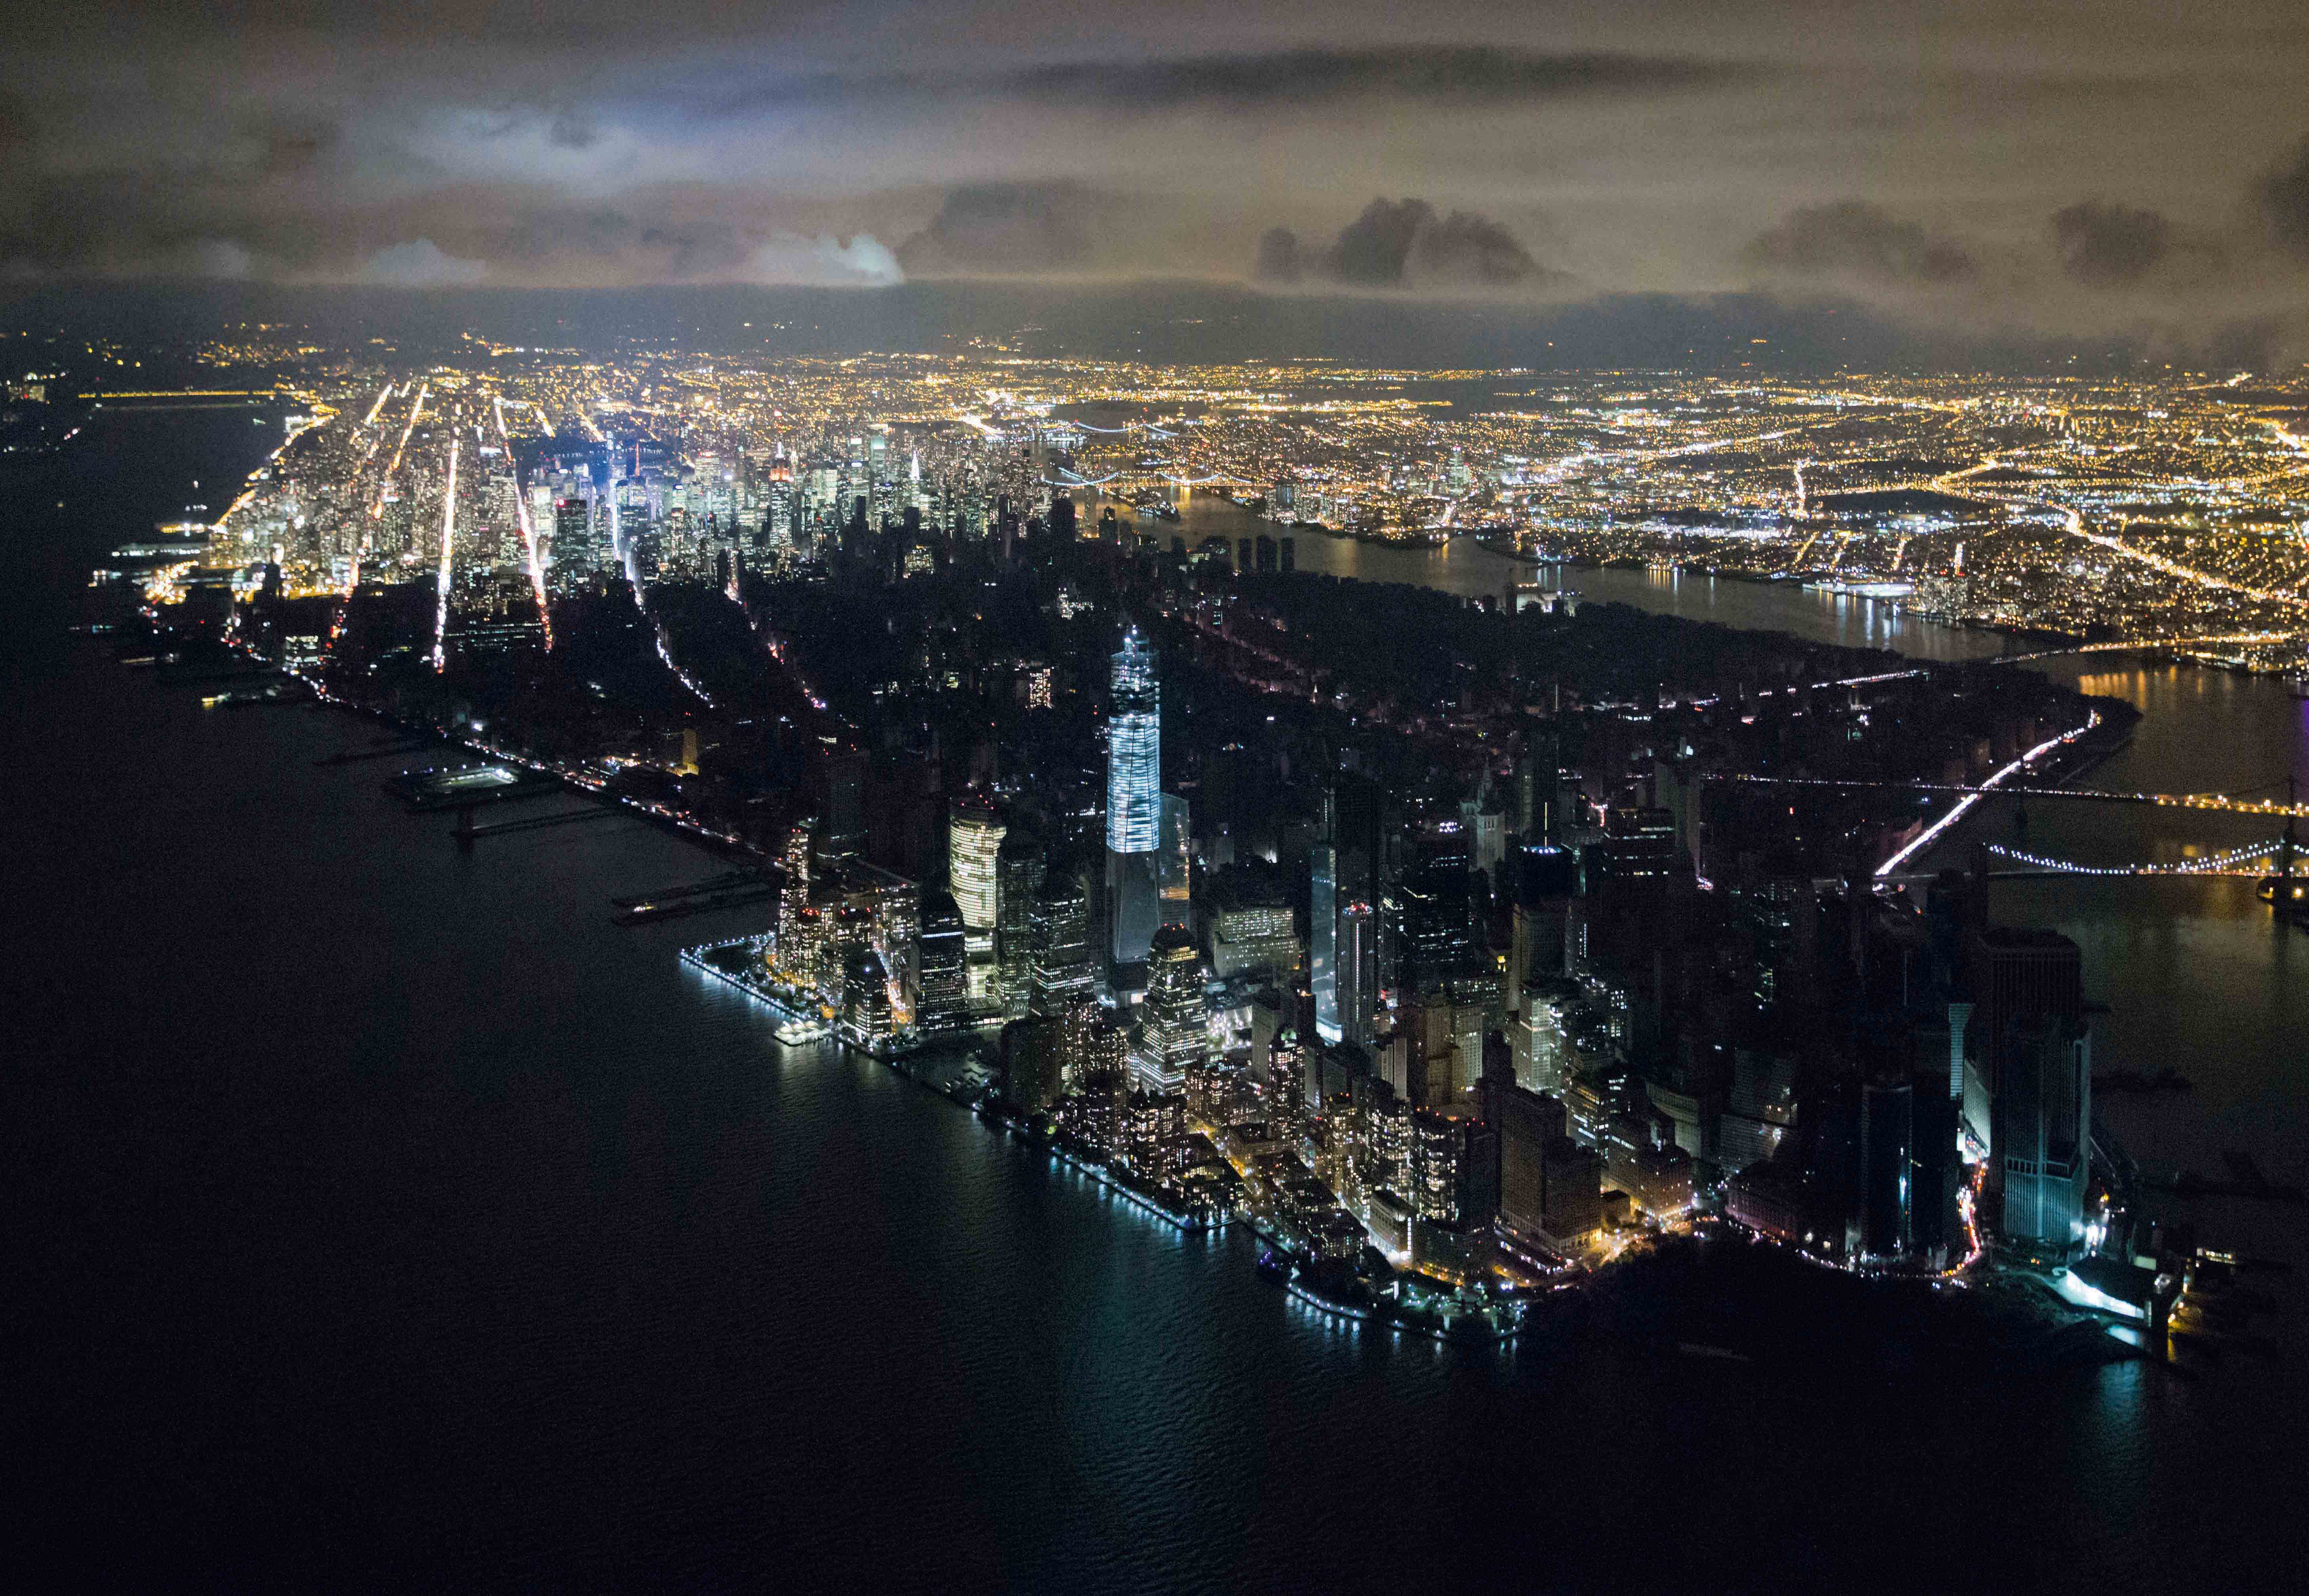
(379,1212)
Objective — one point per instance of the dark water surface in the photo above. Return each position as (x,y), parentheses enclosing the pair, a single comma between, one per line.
(379,1213)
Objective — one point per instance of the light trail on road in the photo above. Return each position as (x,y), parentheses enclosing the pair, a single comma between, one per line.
(441,587)
(1933,832)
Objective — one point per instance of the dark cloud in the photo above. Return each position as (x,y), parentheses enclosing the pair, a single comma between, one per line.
(1003,228)
(291,146)
(2253,343)
(1458,75)
(573,128)
(2284,195)
(1400,244)
(1461,75)
(1856,241)
(1278,256)
(1470,250)
(2104,245)
(1374,248)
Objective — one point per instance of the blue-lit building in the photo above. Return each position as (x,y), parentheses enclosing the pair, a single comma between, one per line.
(1134,813)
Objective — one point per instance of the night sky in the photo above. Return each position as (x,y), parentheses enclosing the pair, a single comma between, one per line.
(2129,167)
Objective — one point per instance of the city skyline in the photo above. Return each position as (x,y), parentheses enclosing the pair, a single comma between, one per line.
(1117,798)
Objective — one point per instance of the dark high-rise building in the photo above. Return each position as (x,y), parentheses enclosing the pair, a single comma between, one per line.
(1174,876)
(941,1000)
(1290,549)
(1638,845)
(573,534)
(1018,872)
(1061,955)
(2018,976)
(1455,1191)
(1762,1109)
(1438,911)
(1550,1188)
(2028,1082)
(1323,932)
(1356,972)
(2044,1141)
(1887,1156)
(1936,1224)
(1362,831)
(1539,776)
(1034,1062)
(841,777)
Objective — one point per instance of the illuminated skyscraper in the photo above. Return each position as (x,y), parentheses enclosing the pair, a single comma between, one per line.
(974,849)
(1176,1034)
(866,1018)
(1134,811)
(793,900)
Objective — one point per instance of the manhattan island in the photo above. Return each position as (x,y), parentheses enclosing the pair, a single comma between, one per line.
(1457,944)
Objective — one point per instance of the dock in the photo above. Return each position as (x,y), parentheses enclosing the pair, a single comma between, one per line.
(465,786)
(466,831)
(697,897)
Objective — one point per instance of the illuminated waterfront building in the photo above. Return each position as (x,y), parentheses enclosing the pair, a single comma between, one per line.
(866,1013)
(794,892)
(1175,1033)
(974,835)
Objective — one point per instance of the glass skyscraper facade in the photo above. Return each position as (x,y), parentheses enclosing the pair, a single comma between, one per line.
(1134,812)
(1134,761)
(1323,929)
(973,844)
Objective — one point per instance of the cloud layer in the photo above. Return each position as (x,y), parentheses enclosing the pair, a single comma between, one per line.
(1855,242)
(1398,243)
(2041,171)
